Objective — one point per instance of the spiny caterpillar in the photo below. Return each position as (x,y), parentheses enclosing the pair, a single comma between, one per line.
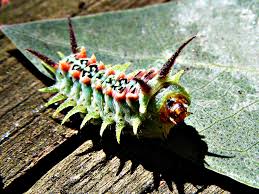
(152,99)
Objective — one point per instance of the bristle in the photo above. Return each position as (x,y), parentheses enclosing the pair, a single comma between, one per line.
(106,122)
(73,42)
(83,52)
(58,97)
(150,74)
(42,57)
(143,85)
(77,109)
(93,59)
(136,122)
(140,74)
(168,65)
(88,117)
(118,129)
(51,89)
(67,103)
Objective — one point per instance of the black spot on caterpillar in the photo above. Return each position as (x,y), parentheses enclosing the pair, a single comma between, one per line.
(152,99)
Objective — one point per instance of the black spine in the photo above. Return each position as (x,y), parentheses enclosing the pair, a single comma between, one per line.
(170,62)
(42,57)
(143,85)
(73,42)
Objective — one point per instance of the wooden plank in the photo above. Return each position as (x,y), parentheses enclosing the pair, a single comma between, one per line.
(92,173)
(40,155)
(103,166)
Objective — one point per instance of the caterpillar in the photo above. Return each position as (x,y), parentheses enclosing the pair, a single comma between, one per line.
(152,99)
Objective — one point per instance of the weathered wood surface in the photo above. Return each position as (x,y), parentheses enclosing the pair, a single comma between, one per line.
(38,155)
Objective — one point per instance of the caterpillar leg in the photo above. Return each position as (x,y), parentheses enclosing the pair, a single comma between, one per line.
(61,55)
(108,120)
(143,103)
(67,103)
(88,117)
(135,122)
(48,67)
(51,89)
(58,97)
(118,129)
(77,109)
(121,67)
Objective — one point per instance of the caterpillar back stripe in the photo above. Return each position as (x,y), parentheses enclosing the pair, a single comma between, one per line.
(152,99)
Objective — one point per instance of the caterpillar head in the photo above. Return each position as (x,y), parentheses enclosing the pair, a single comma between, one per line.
(167,108)
(172,103)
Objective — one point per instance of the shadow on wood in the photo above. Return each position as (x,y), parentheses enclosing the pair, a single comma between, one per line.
(162,157)
(1,184)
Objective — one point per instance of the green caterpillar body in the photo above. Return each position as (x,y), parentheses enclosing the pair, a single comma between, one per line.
(150,100)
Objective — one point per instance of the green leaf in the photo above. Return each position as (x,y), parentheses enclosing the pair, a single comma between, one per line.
(221,65)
